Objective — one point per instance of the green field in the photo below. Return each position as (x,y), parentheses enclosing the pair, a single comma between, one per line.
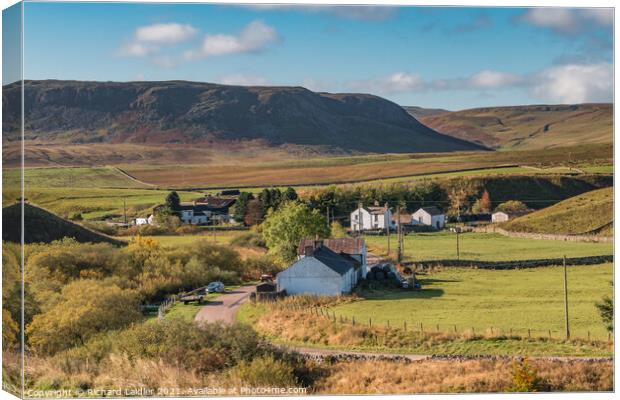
(483,247)
(581,214)
(484,299)
(221,237)
(95,192)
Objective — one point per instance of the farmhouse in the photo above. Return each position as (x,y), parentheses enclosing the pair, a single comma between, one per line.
(321,271)
(503,216)
(371,218)
(202,211)
(354,247)
(429,216)
(218,207)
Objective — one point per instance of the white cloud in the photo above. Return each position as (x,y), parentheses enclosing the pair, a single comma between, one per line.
(397,82)
(147,40)
(252,39)
(575,83)
(165,33)
(568,21)
(569,83)
(243,80)
(489,79)
(135,49)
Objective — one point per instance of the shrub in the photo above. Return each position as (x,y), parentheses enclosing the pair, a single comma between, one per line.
(512,206)
(264,371)
(84,308)
(249,239)
(205,348)
(525,378)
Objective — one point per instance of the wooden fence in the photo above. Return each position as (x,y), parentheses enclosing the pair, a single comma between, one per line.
(434,329)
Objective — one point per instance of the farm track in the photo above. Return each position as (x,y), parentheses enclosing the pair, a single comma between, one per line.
(131,177)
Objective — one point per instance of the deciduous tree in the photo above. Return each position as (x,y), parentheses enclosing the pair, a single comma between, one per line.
(283,229)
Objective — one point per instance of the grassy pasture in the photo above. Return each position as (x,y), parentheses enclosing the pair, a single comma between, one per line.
(504,299)
(484,247)
(577,215)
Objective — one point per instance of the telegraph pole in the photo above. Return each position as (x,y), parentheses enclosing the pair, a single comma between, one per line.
(566,299)
(359,218)
(328,224)
(125,210)
(388,231)
(399,255)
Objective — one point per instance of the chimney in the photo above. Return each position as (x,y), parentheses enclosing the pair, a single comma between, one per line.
(318,244)
(308,251)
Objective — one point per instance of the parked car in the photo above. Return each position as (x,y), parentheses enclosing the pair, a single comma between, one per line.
(215,287)
(266,278)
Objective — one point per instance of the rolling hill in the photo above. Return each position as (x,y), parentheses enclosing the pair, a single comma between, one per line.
(528,127)
(205,114)
(590,212)
(41,226)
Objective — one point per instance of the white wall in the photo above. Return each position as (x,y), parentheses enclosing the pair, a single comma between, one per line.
(371,221)
(421,217)
(310,276)
(499,217)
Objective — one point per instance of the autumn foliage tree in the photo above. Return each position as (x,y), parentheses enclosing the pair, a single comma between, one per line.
(483,204)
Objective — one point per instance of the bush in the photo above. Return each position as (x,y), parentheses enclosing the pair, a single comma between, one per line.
(264,371)
(525,378)
(250,239)
(254,267)
(206,348)
(84,308)
(512,206)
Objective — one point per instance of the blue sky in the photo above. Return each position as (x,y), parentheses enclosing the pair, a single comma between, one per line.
(452,58)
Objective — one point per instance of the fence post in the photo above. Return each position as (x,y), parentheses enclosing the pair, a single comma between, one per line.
(437,327)
(388,324)
(588,336)
(491,331)
(421,328)
(353,320)
(369,321)
(454,328)
(405,325)
(549,333)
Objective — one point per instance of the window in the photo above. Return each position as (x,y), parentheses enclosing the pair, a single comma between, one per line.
(376,218)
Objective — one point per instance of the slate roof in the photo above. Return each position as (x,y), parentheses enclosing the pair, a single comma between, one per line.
(376,210)
(332,260)
(432,210)
(215,202)
(340,245)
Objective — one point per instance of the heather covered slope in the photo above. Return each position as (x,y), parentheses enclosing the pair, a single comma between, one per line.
(203,113)
(528,127)
(41,226)
(590,212)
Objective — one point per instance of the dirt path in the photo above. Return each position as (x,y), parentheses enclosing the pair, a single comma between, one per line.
(131,177)
(225,307)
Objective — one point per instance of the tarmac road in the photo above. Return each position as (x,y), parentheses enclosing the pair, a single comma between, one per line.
(224,308)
